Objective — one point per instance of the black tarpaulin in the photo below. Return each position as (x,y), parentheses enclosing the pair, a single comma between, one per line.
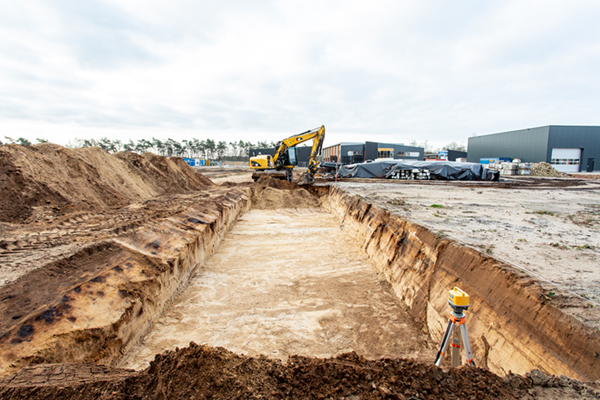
(446,170)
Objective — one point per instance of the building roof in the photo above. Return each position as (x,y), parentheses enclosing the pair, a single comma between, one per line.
(536,127)
(344,144)
(355,143)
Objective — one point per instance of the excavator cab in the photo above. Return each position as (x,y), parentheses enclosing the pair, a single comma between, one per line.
(292,156)
(287,159)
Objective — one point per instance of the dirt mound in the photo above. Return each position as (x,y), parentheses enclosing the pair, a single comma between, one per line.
(205,372)
(545,169)
(178,173)
(269,181)
(270,193)
(271,198)
(47,179)
(201,372)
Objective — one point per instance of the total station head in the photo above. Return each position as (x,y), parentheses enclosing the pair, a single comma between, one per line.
(458,300)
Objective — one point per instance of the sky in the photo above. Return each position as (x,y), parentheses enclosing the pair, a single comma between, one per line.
(387,71)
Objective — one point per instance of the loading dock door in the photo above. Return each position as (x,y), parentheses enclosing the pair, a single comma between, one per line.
(566,160)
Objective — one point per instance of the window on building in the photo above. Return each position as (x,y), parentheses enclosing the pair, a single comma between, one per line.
(408,154)
(385,153)
(565,161)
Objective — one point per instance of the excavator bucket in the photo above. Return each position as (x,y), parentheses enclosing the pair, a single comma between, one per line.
(306,179)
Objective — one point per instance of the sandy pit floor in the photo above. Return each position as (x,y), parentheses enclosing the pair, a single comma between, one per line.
(547,229)
(286,282)
(237,178)
(219,175)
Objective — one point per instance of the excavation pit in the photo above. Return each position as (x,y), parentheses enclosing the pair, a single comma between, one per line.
(275,270)
(287,281)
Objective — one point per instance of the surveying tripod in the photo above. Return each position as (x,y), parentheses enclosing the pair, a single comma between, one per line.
(459,301)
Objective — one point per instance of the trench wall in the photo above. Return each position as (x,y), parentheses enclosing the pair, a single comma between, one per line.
(99,317)
(512,324)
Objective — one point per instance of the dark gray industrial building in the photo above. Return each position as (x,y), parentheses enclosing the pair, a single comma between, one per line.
(449,155)
(567,148)
(353,152)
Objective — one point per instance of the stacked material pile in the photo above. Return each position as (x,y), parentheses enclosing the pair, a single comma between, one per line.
(524,169)
(509,169)
(545,169)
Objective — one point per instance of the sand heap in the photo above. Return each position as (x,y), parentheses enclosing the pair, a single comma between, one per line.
(545,169)
(270,193)
(49,179)
(200,372)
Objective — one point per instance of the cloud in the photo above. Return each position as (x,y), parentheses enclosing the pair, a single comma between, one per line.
(99,35)
(383,70)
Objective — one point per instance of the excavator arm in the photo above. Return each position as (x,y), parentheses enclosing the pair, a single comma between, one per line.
(317,134)
(308,177)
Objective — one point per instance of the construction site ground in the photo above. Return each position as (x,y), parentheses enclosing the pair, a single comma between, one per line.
(303,288)
(547,227)
(296,305)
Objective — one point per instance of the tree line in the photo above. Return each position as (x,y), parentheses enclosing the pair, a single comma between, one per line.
(430,149)
(22,141)
(194,148)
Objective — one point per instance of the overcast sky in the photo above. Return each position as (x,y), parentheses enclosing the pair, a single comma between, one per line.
(389,71)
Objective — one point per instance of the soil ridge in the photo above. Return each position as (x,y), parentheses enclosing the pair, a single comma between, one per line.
(203,372)
(47,179)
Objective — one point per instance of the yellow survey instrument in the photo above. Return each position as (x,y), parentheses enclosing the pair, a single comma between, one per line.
(458,297)
(456,329)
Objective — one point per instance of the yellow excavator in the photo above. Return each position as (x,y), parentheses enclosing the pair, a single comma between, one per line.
(285,156)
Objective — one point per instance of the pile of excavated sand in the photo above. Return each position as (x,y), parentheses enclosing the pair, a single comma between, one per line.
(545,169)
(270,198)
(271,193)
(269,181)
(47,179)
(202,372)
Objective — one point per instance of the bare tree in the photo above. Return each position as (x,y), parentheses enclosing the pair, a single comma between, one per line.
(454,146)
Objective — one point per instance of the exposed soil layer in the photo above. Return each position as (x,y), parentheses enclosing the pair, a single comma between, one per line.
(202,372)
(515,322)
(47,180)
(92,303)
(287,282)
